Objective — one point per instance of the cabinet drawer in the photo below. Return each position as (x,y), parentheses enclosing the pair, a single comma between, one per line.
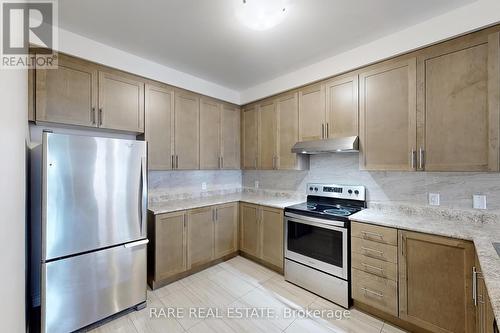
(375,291)
(374,233)
(377,267)
(375,250)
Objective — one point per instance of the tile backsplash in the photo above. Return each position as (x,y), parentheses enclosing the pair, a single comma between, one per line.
(455,188)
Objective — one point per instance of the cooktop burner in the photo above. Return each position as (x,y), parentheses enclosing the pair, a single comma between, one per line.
(335,202)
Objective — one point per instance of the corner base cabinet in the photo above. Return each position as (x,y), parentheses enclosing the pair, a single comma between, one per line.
(261,234)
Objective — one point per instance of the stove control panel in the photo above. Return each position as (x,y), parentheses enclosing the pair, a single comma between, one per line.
(353,192)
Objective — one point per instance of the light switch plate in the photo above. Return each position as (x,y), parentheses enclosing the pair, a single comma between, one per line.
(434,199)
(256,184)
(203,186)
(479,201)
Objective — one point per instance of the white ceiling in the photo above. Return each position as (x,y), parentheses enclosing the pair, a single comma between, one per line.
(203,37)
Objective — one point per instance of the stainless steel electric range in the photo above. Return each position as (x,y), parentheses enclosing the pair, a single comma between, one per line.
(317,240)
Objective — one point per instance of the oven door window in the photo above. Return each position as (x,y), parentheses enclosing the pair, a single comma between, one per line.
(315,242)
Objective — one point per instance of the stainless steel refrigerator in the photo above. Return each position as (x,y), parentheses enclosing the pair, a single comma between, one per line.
(88,228)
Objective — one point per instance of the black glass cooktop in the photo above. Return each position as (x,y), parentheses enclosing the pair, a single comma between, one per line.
(331,209)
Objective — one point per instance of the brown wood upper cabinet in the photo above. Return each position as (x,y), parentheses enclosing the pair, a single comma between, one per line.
(121,102)
(230,137)
(459,105)
(219,135)
(210,126)
(250,137)
(388,116)
(435,282)
(186,131)
(267,135)
(312,113)
(68,94)
(342,106)
(329,109)
(159,126)
(288,132)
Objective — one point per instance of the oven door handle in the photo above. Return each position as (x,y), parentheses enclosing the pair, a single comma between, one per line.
(315,221)
(315,224)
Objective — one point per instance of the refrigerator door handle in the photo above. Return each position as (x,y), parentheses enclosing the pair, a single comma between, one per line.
(143,196)
(135,244)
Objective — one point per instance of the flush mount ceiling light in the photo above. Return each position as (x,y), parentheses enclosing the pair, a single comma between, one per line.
(261,14)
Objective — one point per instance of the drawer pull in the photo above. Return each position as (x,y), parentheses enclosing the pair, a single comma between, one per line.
(367,234)
(372,292)
(381,270)
(367,249)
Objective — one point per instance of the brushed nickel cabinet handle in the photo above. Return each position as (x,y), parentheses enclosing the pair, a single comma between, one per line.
(413,157)
(474,285)
(93,115)
(367,249)
(327,130)
(222,162)
(322,131)
(373,267)
(366,290)
(100,116)
(366,234)
(421,160)
(177,161)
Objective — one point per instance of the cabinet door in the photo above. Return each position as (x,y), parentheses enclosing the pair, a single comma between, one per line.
(209,134)
(388,116)
(68,94)
(460,97)
(187,116)
(267,136)
(250,135)
(272,236)
(435,282)
(249,229)
(170,245)
(200,236)
(230,137)
(121,102)
(288,131)
(342,107)
(226,229)
(159,126)
(312,113)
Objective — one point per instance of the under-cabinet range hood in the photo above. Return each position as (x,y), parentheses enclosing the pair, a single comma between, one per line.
(346,144)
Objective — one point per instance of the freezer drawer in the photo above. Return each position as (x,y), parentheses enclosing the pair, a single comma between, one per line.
(81,290)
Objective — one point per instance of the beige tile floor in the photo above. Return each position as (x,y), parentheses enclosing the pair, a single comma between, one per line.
(242,285)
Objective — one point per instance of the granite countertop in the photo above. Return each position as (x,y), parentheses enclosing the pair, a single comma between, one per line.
(481,228)
(276,200)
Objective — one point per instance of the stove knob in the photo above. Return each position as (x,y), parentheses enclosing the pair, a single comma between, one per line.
(356,192)
(316,189)
(350,191)
(310,188)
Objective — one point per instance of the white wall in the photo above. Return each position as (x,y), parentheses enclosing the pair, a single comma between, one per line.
(479,14)
(13,129)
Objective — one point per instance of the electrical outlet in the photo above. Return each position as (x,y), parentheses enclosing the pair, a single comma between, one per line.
(434,199)
(203,186)
(256,184)
(479,201)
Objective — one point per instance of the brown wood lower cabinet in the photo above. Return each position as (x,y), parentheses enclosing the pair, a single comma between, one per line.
(184,242)
(261,234)
(226,230)
(430,286)
(435,282)
(200,245)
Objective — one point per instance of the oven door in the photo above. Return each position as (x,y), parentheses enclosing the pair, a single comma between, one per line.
(317,243)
